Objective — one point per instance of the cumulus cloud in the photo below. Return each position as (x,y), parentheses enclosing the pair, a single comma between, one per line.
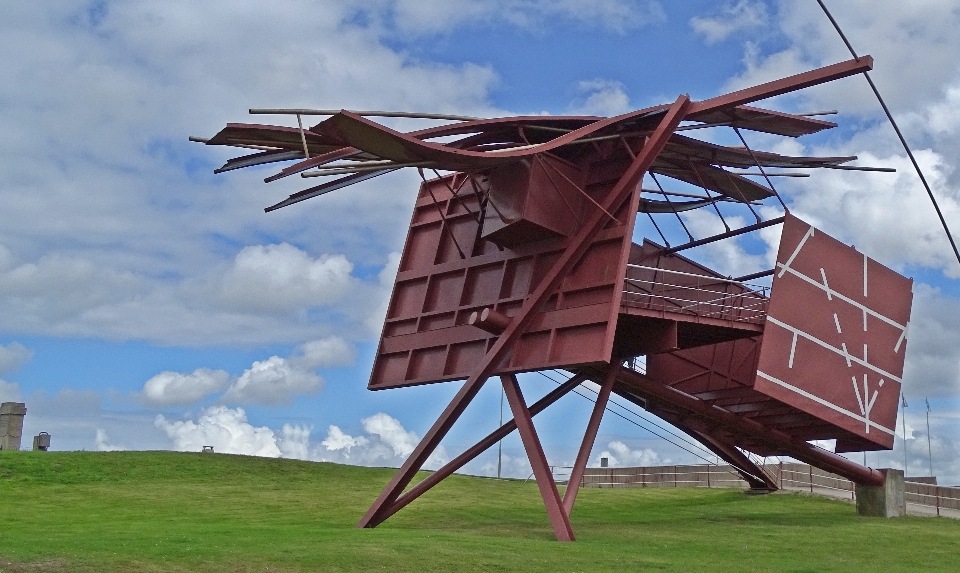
(621,455)
(271,382)
(13,356)
(324,353)
(601,97)
(227,430)
(176,389)
(743,15)
(282,278)
(163,251)
(102,442)
(386,443)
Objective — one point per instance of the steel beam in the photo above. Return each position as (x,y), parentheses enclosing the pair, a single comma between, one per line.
(774,439)
(782,86)
(721,236)
(589,437)
(752,473)
(538,461)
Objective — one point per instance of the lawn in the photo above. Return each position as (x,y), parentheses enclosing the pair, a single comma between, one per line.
(165,511)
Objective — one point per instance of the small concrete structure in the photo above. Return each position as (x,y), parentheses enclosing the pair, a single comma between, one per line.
(207,450)
(11,424)
(886,500)
(41,442)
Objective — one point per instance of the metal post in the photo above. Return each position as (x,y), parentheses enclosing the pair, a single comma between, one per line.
(500,442)
(811,478)
(929,448)
(903,424)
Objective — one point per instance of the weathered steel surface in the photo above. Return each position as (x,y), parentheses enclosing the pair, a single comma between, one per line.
(523,260)
(836,335)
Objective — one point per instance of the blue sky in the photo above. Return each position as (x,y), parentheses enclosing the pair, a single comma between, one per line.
(145,301)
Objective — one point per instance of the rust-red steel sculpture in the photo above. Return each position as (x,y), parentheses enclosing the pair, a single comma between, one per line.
(521,259)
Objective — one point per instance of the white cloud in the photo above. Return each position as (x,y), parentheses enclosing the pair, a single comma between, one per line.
(621,455)
(13,356)
(337,440)
(176,389)
(601,97)
(103,442)
(227,430)
(728,257)
(418,17)
(744,15)
(387,443)
(274,381)
(282,278)
(933,358)
(294,442)
(9,392)
(324,353)
(161,250)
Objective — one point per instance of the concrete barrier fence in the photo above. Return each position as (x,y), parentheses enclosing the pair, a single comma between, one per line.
(790,476)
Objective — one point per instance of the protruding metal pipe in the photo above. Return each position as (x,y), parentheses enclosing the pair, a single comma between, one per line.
(490,320)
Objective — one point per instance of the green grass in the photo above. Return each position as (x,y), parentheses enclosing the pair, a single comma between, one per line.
(162,511)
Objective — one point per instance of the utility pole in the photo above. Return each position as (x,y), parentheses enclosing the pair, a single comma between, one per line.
(929,449)
(500,443)
(903,418)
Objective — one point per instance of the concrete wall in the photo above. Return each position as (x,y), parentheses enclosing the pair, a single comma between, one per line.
(11,424)
(796,477)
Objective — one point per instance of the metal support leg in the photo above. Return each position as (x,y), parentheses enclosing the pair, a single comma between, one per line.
(378,511)
(453,465)
(589,437)
(538,461)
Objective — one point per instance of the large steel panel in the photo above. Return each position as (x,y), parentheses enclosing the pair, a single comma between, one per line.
(835,337)
(448,270)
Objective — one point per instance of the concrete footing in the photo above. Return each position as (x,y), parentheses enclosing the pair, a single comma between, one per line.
(885,500)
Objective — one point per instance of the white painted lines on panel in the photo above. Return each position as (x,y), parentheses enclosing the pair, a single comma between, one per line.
(796,251)
(842,352)
(820,400)
(866,405)
(847,300)
(826,287)
(793,350)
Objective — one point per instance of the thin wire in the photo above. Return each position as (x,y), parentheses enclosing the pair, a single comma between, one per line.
(664,193)
(903,140)
(668,440)
(634,422)
(762,172)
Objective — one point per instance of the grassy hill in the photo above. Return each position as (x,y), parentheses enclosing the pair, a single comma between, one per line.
(164,511)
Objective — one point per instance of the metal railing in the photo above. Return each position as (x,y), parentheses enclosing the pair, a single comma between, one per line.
(693,294)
